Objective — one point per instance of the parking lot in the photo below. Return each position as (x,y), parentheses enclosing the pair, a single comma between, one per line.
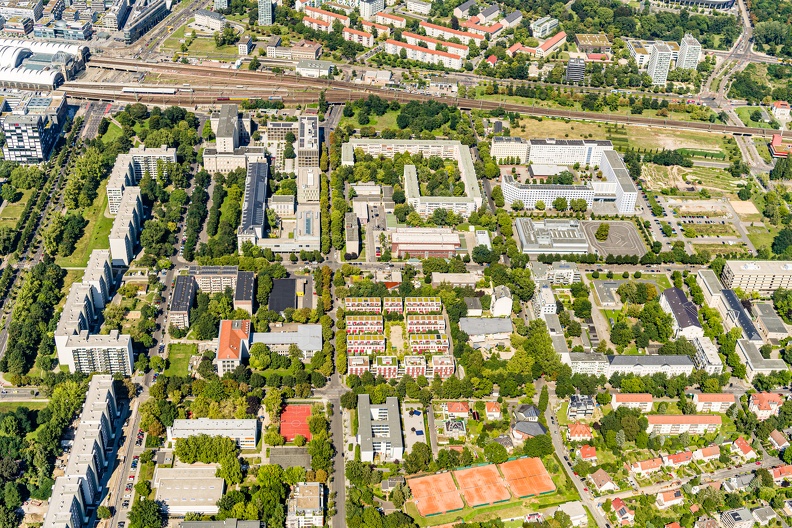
(623,239)
(414,430)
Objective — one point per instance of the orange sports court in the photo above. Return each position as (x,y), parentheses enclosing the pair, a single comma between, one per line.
(435,494)
(527,477)
(482,485)
(294,421)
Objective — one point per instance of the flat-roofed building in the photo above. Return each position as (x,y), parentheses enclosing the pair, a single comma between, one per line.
(675,424)
(99,276)
(306,337)
(282,204)
(414,366)
(364,324)
(544,301)
(308,142)
(710,285)
(363,304)
(214,279)
(615,172)
(253,222)
(149,159)
(365,344)
(243,432)
(593,43)
(189,489)
(351,235)
(659,63)
(226,523)
(544,27)
(278,130)
(433,343)
(641,50)
(393,304)
(442,366)
(422,305)
(86,353)
(244,291)
(424,242)
(508,147)
(306,505)
(379,430)
(676,365)
(455,279)
(735,315)
(308,179)
(593,364)
(689,53)
(706,357)
(227,133)
(551,236)
(770,325)
(755,363)
(358,365)
(421,324)
(184,291)
(67,508)
(567,151)
(128,223)
(487,332)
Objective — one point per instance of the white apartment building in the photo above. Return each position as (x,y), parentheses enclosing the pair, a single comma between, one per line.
(388,19)
(707,357)
(643,401)
(417,6)
(358,37)
(711,286)
(358,365)
(369,8)
(99,276)
(676,424)
(210,20)
(567,151)
(417,53)
(435,343)
(149,159)
(317,24)
(529,194)
(379,430)
(326,16)
(363,304)
(426,205)
(84,352)
(544,301)
(364,324)
(243,432)
(306,505)
(509,147)
(615,171)
(123,175)
(586,363)
(659,63)
(434,30)
(365,344)
(763,276)
(127,226)
(421,324)
(641,50)
(544,26)
(713,403)
(689,53)
(452,47)
(649,365)
(422,305)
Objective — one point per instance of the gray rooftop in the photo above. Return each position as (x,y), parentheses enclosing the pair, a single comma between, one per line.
(770,319)
(711,281)
(244,286)
(490,10)
(554,236)
(658,361)
(513,16)
(183,293)
(581,357)
(227,121)
(466,5)
(530,428)
(489,325)
(571,142)
(622,174)
(684,311)
(734,306)
(289,456)
(308,337)
(255,197)
(756,360)
(388,427)
(227,523)
(210,14)
(473,303)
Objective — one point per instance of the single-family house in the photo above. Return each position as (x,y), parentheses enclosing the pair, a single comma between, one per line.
(743,449)
(459,410)
(493,410)
(678,459)
(667,499)
(579,432)
(624,514)
(588,453)
(602,481)
(778,440)
(647,467)
(522,431)
(706,454)
(782,473)
(527,413)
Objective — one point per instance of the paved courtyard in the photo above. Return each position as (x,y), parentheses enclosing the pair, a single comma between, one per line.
(623,239)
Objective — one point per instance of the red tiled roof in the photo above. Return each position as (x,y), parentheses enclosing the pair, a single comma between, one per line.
(588,452)
(708,452)
(425,50)
(766,401)
(424,38)
(492,59)
(232,333)
(458,407)
(316,21)
(392,17)
(596,56)
(309,9)
(555,39)
(778,437)
(648,465)
(633,398)
(452,31)
(781,104)
(358,32)
(723,397)
(779,148)
(679,458)
(493,407)
(781,472)
(579,430)
(743,446)
(673,525)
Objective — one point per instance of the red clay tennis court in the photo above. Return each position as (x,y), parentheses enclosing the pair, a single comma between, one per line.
(294,421)
(527,477)
(482,485)
(435,494)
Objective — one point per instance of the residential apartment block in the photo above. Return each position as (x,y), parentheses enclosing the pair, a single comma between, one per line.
(434,343)
(684,314)
(674,424)
(358,37)
(127,226)
(419,324)
(714,403)
(544,27)
(649,365)
(505,147)
(642,402)
(358,365)
(393,304)
(365,344)
(707,357)
(431,43)
(379,430)
(763,276)
(754,362)
(364,324)
(184,291)
(567,151)
(363,304)
(306,505)
(422,305)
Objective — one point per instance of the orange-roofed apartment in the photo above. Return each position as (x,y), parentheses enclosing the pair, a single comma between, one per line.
(675,424)
(417,53)
(433,30)
(550,45)
(359,37)
(579,432)
(327,16)
(415,39)
(667,499)
(765,404)
(233,344)
(780,148)
(316,24)
(716,403)
(642,401)
(707,454)
(588,453)
(647,467)
(743,449)
(678,459)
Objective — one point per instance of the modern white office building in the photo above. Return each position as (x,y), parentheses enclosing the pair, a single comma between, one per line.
(504,147)
(659,63)
(567,151)
(530,194)
(266,12)
(641,50)
(379,430)
(308,142)
(551,236)
(127,226)
(763,276)
(308,180)
(614,170)
(544,26)
(755,363)
(649,365)
(243,432)
(689,53)
(424,205)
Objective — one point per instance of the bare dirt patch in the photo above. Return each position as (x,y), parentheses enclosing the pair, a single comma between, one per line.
(744,208)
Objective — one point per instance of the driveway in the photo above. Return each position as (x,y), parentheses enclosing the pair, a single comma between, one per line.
(414,429)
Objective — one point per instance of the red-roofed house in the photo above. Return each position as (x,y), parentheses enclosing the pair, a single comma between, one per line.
(765,404)
(579,432)
(233,344)
(678,459)
(492,60)
(646,467)
(640,401)
(390,20)
(667,499)
(707,453)
(394,47)
(550,45)
(782,473)
(716,403)
(415,39)
(624,514)
(778,148)
(457,409)
(742,449)
(781,110)
(371,26)
(673,525)
(778,440)
(588,453)
(493,410)
(479,29)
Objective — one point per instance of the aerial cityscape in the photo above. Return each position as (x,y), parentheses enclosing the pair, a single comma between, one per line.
(395,264)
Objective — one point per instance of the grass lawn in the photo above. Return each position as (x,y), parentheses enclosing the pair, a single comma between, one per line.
(388,120)
(12,211)
(113,132)
(12,406)
(762,148)
(661,279)
(659,177)
(761,236)
(720,249)
(504,510)
(179,358)
(744,113)
(71,277)
(96,234)
(714,229)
